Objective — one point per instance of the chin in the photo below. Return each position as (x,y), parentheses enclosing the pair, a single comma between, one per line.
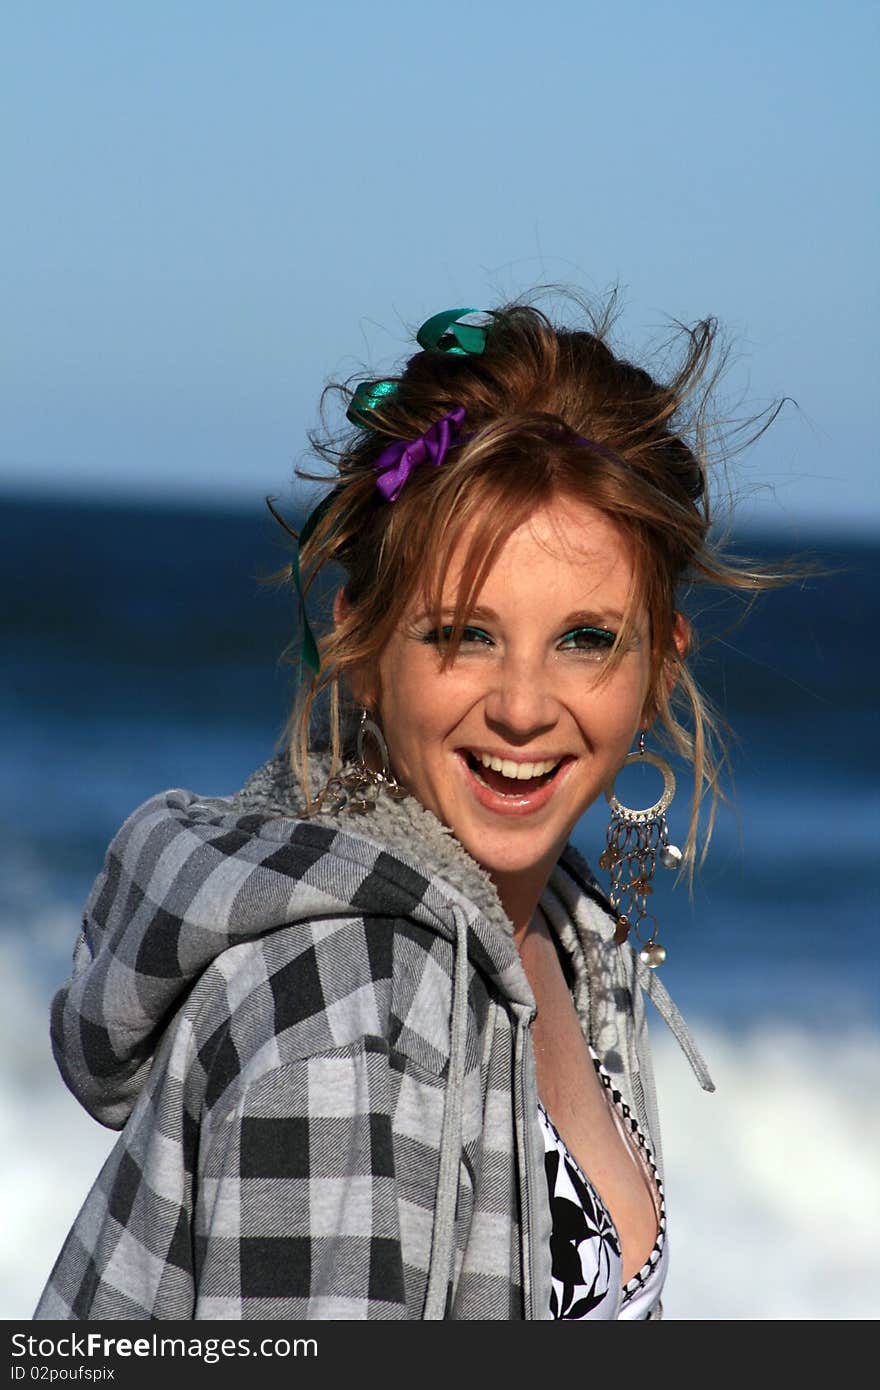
(504,860)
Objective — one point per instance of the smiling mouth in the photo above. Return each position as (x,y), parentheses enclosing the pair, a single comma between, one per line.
(504,785)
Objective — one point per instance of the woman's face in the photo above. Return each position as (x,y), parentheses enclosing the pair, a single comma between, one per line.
(521,694)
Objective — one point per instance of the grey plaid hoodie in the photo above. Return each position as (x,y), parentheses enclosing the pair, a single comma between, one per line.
(315,1038)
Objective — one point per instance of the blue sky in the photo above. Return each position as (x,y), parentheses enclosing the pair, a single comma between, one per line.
(212,207)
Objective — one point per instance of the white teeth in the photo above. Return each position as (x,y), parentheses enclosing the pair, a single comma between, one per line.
(521,772)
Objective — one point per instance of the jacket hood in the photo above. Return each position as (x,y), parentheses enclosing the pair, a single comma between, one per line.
(186,877)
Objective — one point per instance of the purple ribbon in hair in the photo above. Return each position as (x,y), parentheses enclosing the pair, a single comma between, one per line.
(395,463)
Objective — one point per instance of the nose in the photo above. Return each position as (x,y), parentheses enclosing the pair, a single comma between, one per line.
(521,702)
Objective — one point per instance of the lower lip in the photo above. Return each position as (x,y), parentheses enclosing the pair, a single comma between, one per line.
(518,804)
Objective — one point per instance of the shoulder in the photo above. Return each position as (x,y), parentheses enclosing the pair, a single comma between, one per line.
(353,979)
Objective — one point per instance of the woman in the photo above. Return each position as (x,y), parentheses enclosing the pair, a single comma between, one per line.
(374,1034)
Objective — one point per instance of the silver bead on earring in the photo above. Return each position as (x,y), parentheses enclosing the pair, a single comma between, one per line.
(635,841)
(356,787)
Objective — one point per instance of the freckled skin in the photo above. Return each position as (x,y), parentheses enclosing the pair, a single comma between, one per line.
(524,691)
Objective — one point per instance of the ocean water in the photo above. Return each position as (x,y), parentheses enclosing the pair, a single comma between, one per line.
(141,653)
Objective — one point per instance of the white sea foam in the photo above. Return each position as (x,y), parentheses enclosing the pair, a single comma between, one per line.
(771,1182)
(50,1150)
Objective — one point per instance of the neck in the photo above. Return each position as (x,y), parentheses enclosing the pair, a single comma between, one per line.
(520,894)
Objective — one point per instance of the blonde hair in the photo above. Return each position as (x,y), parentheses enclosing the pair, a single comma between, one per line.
(534,399)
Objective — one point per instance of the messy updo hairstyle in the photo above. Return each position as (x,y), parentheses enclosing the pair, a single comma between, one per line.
(531,398)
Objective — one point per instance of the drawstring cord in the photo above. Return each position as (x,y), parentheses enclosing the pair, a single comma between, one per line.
(443,1238)
(658,994)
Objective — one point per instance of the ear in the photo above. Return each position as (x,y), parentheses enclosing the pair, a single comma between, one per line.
(681,637)
(341,607)
(359,683)
(681,640)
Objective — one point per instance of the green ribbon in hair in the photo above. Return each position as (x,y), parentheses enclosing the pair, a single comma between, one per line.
(441,331)
(368,396)
(468,339)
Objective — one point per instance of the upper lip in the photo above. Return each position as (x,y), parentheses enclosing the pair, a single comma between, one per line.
(519,757)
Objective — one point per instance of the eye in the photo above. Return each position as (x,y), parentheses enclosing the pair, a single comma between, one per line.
(440,636)
(594,641)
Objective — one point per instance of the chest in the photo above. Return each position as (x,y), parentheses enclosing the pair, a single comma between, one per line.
(581,1111)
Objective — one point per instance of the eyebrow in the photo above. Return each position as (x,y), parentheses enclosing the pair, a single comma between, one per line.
(581,618)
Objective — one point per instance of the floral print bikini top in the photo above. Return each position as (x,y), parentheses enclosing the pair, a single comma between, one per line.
(585,1250)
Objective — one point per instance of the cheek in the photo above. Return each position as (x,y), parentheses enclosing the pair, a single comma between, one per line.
(618,708)
(413,709)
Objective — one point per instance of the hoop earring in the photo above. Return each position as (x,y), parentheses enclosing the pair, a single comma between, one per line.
(635,841)
(355,789)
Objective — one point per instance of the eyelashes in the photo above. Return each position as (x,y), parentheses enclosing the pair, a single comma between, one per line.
(594,639)
(440,636)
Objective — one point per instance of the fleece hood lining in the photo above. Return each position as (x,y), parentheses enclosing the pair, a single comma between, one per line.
(405,828)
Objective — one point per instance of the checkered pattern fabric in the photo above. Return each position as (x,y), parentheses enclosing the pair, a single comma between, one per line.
(265,1005)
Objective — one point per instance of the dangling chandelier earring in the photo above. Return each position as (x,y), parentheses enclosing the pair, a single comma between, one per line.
(636,839)
(356,788)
